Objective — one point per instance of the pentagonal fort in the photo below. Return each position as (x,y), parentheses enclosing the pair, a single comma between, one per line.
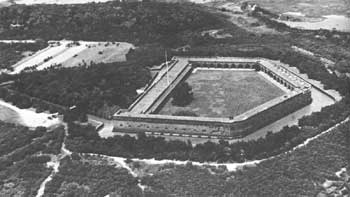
(232,98)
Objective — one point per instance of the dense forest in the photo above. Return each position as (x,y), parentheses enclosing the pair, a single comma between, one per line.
(24,154)
(22,168)
(135,22)
(91,176)
(308,171)
(95,87)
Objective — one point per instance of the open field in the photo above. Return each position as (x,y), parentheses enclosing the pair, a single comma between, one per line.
(100,52)
(69,55)
(37,58)
(61,56)
(220,93)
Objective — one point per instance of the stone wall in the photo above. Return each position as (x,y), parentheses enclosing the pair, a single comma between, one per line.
(273,114)
(206,127)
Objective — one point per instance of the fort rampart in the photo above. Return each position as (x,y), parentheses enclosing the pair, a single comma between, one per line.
(141,117)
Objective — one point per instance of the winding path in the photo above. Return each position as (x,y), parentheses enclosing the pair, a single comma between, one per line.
(55,163)
(229,166)
(55,159)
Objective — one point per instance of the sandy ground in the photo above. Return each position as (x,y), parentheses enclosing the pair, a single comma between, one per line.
(336,187)
(28,117)
(312,8)
(330,22)
(240,19)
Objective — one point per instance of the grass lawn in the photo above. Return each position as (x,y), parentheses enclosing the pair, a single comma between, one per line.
(226,93)
(100,52)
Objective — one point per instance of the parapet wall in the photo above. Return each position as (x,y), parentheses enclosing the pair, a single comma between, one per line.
(196,126)
(272,114)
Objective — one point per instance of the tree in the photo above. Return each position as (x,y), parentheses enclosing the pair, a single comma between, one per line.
(182,94)
(256,67)
(343,66)
(82,110)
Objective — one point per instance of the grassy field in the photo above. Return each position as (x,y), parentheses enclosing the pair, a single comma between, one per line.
(226,93)
(75,55)
(100,52)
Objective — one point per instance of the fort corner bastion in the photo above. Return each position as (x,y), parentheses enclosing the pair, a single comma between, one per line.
(143,116)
